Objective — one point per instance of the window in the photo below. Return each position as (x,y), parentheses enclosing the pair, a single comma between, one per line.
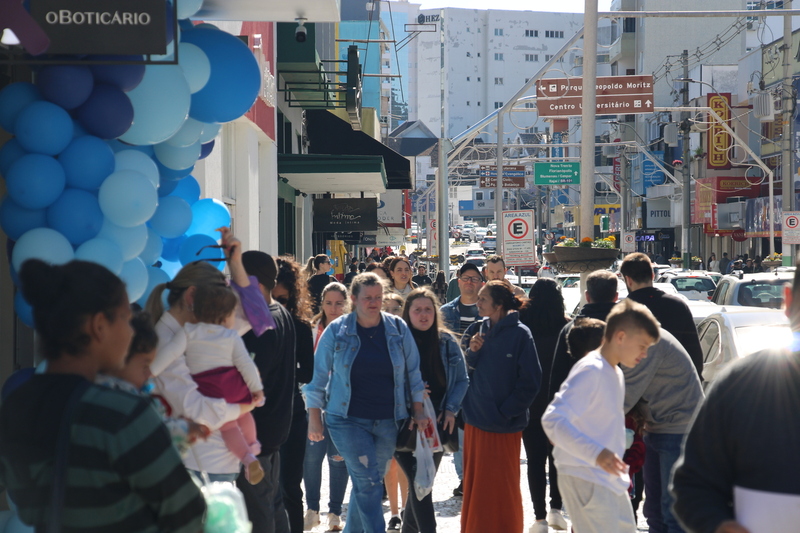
(491,195)
(498,31)
(479,104)
(529,105)
(498,81)
(479,54)
(548,57)
(467,78)
(629,25)
(467,102)
(552,34)
(531,33)
(498,56)
(469,55)
(498,105)
(531,57)
(479,78)
(479,195)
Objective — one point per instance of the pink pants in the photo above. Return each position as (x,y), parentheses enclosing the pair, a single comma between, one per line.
(240,436)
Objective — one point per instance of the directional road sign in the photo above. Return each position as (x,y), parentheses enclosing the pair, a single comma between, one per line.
(509,171)
(614,104)
(508,183)
(606,85)
(568,173)
(791,227)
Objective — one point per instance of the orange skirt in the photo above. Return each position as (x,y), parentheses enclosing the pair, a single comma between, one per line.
(492,497)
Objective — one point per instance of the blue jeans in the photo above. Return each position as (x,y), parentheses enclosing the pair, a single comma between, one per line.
(458,457)
(226,478)
(312,473)
(663,450)
(367,447)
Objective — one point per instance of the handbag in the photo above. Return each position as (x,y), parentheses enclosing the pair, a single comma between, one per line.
(406,437)
(449,440)
(62,451)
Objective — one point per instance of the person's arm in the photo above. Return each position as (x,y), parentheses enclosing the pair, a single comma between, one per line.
(304,350)
(252,311)
(689,338)
(142,454)
(529,378)
(562,364)
(245,365)
(233,253)
(703,479)
(638,379)
(457,364)
(167,353)
(577,395)
(314,391)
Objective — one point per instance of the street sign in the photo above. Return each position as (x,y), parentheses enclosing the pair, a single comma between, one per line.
(557,173)
(519,247)
(628,241)
(509,171)
(614,104)
(791,227)
(606,85)
(508,182)
(432,239)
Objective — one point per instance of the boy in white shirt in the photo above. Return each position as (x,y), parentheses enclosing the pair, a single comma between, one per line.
(586,423)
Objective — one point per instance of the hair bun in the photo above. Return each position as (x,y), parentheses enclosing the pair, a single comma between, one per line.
(40,282)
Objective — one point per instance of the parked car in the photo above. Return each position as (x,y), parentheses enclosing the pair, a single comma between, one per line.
(492,228)
(477,260)
(479,234)
(692,284)
(753,290)
(660,269)
(736,332)
(468,231)
(474,252)
(489,243)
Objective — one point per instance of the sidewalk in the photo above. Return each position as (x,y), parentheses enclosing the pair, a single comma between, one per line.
(448,507)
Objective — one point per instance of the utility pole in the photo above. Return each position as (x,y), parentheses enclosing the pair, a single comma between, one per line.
(687,171)
(588,115)
(498,188)
(787,156)
(442,186)
(623,193)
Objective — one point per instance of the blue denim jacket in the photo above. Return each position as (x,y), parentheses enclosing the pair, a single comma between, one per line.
(455,367)
(337,349)
(450,314)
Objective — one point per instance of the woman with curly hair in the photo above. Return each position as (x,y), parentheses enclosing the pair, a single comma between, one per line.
(291,291)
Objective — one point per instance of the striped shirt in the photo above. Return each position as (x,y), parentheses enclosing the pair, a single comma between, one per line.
(123,474)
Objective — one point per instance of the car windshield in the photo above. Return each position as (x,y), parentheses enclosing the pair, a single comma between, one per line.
(693,284)
(762,293)
(478,262)
(750,339)
(475,252)
(489,239)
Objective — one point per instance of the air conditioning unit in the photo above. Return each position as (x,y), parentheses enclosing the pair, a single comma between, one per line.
(671,134)
(762,106)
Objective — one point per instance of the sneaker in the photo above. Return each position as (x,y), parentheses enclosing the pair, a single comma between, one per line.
(334,522)
(311,520)
(394,524)
(459,491)
(556,520)
(540,526)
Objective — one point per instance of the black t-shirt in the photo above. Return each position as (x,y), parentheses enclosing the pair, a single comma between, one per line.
(315,285)
(421,280)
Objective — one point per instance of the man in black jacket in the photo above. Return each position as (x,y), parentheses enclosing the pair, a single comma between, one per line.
(742,445)
(274,355)
(669,310)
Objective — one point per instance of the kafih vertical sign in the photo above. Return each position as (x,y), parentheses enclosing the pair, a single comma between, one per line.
(719,140)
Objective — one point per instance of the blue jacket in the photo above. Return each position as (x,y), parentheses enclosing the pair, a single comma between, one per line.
(337,349)
(504,377)
(450,314)
(456,370)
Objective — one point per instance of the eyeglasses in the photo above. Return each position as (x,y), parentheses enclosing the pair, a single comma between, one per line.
(223,258)
(471,279)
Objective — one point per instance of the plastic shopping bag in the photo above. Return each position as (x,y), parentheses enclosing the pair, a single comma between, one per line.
(426,469)
(226,509)
(432,432)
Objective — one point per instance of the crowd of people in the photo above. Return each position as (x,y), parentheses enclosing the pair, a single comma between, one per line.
(257,379)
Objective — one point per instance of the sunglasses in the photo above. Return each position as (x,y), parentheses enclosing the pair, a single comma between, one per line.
(212,258)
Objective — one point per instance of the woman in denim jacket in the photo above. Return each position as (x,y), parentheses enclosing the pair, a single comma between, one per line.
(366,374)
(445,374)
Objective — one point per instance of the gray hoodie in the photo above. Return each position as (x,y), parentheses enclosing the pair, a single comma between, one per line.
(667,382)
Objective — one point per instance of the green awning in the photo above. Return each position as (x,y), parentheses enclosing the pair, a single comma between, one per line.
(320,174)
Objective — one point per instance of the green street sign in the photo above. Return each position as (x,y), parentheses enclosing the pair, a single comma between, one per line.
(557,173)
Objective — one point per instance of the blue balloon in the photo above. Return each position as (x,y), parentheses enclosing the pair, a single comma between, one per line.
(152,250)
(172,217)
(175,157)
(65,85)
(16,220)
(78,130)
(205,149)
(160,105)
(134,274)
(235,78)
(170,174)
(45,244)
(188,189)
(188,8)
(128,198)
(35,181)
(13,99)
(155,276)
(185,25)
(23,309)
(210,132)
(10,152)
(101,251)
(209,214)
(138,161)
(87,161)
(195,65)
(166,187)
(44,128)
(76,215)
(170,267)
(108,113)
(188,135)
(125,77)
(119,146)
(194,249)
(131,241)
(172,248)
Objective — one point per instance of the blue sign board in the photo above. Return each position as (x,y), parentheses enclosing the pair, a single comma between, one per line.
(466,205)
(650,172)
(556,152)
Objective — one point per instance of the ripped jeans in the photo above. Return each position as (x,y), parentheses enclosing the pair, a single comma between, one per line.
(367,447)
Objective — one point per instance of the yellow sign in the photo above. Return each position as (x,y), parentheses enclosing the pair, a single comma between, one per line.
(604,209)
(719,140)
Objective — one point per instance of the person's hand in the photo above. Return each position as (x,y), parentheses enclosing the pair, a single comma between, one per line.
(420,421)
(197,431)
(258,398)
(611,463)
(731,526)
(476,342)
(449,421)
(315,428)
(230,244)
(427,392)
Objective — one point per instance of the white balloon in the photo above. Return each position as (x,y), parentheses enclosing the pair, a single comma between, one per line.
(131,241)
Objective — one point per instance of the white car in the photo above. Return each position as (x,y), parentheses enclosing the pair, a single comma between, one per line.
(469,230)
(479,234)
(694,285)
(753,290)
(737,331)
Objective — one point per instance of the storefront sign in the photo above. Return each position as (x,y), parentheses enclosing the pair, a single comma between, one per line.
(719,140)
(604,209)
(118,27)
(390,208)
(345,214)
(716,190)
(658,213)
(757,216)
(652,174)
(791,227)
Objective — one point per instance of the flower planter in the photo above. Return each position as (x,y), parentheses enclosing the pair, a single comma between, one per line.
(577,259)
(550,257)
(771,264)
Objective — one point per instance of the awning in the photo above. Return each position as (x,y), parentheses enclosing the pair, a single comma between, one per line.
(272,10)
(328,134)
(320,174)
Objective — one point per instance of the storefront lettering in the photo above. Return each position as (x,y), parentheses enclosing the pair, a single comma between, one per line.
(106,18)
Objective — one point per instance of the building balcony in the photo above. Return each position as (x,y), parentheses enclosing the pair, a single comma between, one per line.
(271,10)
(623,48)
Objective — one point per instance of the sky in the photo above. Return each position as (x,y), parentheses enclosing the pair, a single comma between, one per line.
(562,6)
